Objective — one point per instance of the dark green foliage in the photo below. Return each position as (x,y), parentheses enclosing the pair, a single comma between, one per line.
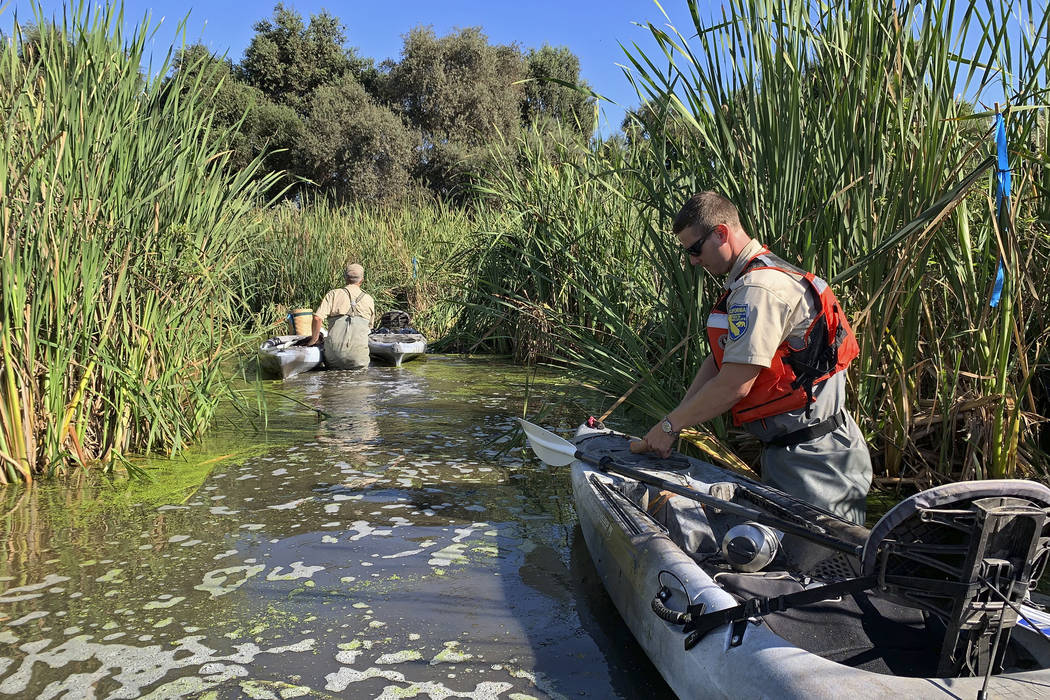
(288,59)
(458,87)
(355,147)
(329,119)
(667,144)
(553,99)
(459,92)
(261,125)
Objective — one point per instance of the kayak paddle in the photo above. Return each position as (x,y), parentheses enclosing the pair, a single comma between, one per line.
(558,452)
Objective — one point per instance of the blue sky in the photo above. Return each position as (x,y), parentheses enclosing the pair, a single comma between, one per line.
(593,30)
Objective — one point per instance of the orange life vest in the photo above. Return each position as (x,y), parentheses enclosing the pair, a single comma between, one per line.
(787,384)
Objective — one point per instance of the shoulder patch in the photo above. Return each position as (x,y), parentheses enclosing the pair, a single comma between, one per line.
(738,320)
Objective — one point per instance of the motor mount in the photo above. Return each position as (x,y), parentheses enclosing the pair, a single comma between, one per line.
(966,554)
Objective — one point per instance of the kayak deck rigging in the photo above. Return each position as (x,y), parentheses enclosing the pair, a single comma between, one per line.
(933,591)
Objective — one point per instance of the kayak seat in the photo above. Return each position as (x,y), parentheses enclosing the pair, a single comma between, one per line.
(858,631)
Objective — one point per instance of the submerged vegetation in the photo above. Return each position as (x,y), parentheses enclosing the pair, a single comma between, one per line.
(139,237)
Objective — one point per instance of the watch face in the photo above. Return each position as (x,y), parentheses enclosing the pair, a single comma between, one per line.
(667,427)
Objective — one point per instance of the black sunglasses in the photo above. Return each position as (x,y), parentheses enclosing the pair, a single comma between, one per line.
(695,249)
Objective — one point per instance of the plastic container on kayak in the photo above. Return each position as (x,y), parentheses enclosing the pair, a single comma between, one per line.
(300,322)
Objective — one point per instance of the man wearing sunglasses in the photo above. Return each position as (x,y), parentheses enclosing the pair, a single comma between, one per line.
(780,343)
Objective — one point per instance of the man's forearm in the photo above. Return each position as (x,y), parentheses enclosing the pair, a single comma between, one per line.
(315,330)
(706,372)
(715,396)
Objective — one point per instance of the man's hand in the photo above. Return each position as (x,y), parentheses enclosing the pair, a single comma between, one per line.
(656,440)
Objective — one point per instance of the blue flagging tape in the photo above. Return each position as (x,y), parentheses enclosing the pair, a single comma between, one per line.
(997,290)
(1002,194)
(1040,626)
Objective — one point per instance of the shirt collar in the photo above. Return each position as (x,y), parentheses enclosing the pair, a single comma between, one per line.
(750,250)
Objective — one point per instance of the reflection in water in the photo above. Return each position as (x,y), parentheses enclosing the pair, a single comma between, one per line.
(349,399)
(384,551)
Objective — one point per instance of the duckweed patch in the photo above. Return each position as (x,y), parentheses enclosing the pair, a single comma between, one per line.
(398,585)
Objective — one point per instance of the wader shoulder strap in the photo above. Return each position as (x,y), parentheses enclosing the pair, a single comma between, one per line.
(353,302)
(700,623)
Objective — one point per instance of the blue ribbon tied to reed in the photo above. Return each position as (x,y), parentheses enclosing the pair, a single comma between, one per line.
(1002,196)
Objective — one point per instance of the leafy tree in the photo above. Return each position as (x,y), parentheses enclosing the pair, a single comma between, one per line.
(460,93)
(288,59)
(246,121)
(667,142)
(357,148)
(458,87)
(545,98)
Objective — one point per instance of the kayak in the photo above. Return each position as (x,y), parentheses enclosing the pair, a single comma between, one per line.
(280,357)
(754,593)
(395,348)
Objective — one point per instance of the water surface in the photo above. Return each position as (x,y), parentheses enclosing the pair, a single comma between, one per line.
(387,549)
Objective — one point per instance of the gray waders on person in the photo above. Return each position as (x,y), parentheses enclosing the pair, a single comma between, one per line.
(346,346)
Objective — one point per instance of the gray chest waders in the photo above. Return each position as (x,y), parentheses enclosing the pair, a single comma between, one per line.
(346,346)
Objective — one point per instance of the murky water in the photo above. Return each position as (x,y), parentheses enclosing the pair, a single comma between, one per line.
(385,550)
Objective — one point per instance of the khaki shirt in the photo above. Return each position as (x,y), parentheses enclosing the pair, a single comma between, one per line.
(766,307)
(337,303)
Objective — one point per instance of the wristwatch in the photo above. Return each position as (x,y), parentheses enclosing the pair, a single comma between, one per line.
(667,427)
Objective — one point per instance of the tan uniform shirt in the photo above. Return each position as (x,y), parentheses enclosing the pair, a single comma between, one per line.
(833,472)
(337,303)
(765,308)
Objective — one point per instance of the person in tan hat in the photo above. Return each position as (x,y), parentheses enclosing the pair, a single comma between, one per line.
(349,314)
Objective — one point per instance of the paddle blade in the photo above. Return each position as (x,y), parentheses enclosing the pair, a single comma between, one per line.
(550,448)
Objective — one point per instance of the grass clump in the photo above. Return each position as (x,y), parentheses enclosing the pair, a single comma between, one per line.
(121,231)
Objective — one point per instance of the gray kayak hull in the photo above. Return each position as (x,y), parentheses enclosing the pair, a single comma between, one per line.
(280,359)
(635,557)
(396,348)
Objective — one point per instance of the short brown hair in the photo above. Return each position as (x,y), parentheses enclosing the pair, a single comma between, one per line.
(708,209)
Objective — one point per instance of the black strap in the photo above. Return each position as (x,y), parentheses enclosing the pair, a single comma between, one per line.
(700,623)
(812,432)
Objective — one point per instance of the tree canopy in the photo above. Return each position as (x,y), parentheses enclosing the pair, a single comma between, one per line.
(288,59)
(547,96)
(332,119)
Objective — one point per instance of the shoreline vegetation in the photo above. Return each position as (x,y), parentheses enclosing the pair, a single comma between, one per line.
(153,227)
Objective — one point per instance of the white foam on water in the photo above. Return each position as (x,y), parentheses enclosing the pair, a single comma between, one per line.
(399,657)
(337,682)
(222,510)
(291,504)
(448,555)
(363,529)
(297,571)
(13,595)
(215,582)
(29,617)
